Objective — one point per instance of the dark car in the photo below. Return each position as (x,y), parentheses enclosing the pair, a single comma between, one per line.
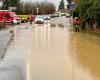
(46,17)
(52,16)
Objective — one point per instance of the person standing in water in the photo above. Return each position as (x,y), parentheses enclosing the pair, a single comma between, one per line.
(76,22)
(32,18)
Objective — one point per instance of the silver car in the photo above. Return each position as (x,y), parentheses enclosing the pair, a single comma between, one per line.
(39,19)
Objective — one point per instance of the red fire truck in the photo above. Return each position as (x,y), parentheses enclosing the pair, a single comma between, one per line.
(7,16)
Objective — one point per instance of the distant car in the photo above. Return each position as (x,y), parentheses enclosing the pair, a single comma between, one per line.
(52,15)
(46,17)
(63,14)
(56,15)
(67,15)
(39,19)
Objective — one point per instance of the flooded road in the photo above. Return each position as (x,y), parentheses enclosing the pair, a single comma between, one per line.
(53,52)
(58,53)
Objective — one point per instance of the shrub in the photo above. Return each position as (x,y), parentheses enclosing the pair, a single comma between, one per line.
(88,12)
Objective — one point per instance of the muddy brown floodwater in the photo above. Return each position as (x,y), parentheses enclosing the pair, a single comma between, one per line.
(86,51)
(59,53)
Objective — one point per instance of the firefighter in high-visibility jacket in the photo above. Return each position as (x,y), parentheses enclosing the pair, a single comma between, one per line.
(77,23)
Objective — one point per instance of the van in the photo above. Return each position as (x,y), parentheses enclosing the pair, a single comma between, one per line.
(9,17)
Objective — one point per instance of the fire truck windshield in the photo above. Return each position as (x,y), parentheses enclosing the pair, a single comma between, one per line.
(13,15)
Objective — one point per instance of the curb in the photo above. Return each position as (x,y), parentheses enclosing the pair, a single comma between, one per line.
(4,42)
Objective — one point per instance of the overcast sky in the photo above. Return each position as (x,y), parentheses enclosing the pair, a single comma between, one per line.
(56,2)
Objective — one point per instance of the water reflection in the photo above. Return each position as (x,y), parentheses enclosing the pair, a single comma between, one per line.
(51,58)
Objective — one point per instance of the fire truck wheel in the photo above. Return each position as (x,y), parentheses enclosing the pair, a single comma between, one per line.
(12,23)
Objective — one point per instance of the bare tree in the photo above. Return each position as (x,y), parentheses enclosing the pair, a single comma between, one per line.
(30,8)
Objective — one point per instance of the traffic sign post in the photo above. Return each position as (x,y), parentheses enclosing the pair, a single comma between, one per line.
(72,6)
(37,10)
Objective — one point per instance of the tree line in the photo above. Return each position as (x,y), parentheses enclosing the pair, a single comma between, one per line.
(31,8)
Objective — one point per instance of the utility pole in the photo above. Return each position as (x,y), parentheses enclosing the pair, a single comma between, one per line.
(37,10)
(32,12)
(41,7)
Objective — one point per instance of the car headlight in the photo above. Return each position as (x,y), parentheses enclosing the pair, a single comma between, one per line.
(42,20)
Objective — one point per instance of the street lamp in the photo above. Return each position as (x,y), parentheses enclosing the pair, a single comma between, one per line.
(32,11)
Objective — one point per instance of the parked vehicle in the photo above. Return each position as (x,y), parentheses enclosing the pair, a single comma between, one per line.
(67,15)
(39,19)
(9,17)
(56,15)
(47,17)
(63,14)
(24,20)
(52,15)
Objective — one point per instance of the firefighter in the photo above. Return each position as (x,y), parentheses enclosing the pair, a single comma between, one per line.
(31,19)
(76,23)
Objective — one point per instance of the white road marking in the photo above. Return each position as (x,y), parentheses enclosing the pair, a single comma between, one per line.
(28,73)
(28,66)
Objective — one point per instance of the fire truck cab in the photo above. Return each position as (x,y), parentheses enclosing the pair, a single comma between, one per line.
(7,16)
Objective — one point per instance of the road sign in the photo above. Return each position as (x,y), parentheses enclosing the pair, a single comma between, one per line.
(72,5)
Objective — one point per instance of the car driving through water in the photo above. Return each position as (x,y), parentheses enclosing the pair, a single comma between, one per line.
(39,19)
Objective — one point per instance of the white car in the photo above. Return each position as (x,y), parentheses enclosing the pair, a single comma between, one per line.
(16,21)
(39,19)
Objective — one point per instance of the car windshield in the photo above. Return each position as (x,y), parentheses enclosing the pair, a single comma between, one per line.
(40,17)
